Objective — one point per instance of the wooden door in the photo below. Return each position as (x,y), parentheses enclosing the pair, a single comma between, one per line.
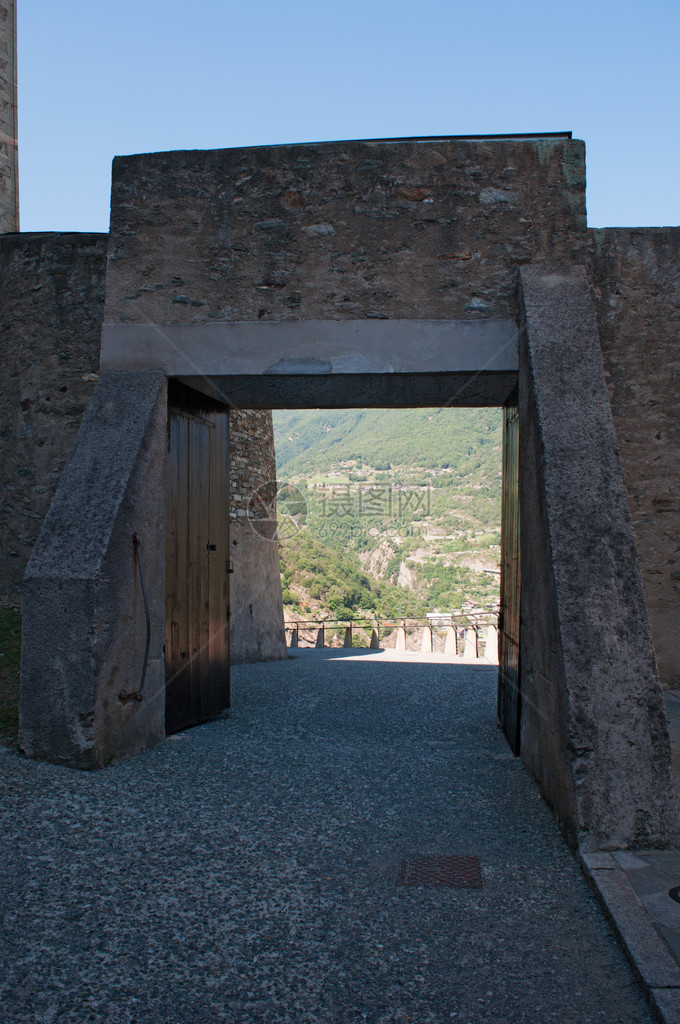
(509,694)
(197,553)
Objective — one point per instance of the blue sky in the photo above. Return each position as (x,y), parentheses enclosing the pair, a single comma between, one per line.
(99,79)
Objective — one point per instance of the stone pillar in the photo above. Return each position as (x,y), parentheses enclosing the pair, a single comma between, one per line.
(348,637)
(84,627)
(426,644)
(9,153)
(320,638)
(594,732)
(470,642)
(401,639)
(375,639)
(451,642)
(491,646)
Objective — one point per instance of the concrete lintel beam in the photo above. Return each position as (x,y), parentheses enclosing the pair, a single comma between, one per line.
(313,347)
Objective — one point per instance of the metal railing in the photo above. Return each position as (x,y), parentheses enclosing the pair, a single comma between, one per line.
(470,635)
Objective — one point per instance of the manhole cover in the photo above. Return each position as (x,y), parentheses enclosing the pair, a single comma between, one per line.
(459,872)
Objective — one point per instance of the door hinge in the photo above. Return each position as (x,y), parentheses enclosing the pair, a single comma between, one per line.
(230,565)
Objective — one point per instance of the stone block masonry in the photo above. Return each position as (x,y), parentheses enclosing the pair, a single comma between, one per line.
(636,284)
(9,160)
(51,307)
(255,598)
(253,465)
(340,231)
(51,303)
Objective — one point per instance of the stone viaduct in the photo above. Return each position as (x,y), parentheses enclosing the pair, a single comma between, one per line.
(413,272)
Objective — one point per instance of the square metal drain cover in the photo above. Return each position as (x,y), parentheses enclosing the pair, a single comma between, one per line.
(451,870)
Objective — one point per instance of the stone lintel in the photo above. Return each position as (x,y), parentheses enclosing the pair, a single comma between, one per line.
(313,347)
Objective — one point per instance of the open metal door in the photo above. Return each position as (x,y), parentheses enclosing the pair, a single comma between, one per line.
(509,695)
(197,553)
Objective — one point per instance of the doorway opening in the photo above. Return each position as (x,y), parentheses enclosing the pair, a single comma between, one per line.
(314,505)
(389,526)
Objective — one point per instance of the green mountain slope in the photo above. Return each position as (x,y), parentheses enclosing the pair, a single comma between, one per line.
(410,497)
(462,439)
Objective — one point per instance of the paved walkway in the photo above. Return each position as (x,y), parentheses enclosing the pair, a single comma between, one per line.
(248,870)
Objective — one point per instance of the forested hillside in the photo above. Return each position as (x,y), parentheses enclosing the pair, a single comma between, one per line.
(388,512)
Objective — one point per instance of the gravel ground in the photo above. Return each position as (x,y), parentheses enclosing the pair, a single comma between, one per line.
(246,871)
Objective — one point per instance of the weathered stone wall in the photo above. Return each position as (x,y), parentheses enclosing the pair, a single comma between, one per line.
(51,305)
(636,283)
(9,163)
(255,591)
(253,464)
(346,230)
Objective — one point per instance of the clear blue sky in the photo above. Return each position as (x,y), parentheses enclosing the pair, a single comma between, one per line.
(99,79)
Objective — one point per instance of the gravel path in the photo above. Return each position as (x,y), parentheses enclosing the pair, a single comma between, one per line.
(246,871)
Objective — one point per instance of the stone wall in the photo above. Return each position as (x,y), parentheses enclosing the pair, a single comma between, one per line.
(9,170)
(251,431)
(636,282)
(255,592)
(51,304)
(51,307)
(340,230)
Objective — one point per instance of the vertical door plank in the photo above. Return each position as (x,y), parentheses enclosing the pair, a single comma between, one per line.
(184,679)
(509,695)
(225,611)
(194,570)
(197,636)
(204,436)
(219,534)
(172,607)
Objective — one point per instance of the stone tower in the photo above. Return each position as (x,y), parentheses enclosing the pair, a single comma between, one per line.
(9,159)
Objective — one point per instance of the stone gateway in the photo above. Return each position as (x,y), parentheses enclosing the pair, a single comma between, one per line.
(419,272)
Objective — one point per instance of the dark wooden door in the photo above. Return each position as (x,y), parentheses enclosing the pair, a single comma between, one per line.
(509,695)
(197,553)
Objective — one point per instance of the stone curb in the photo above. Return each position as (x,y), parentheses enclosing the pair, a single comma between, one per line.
(656,967)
